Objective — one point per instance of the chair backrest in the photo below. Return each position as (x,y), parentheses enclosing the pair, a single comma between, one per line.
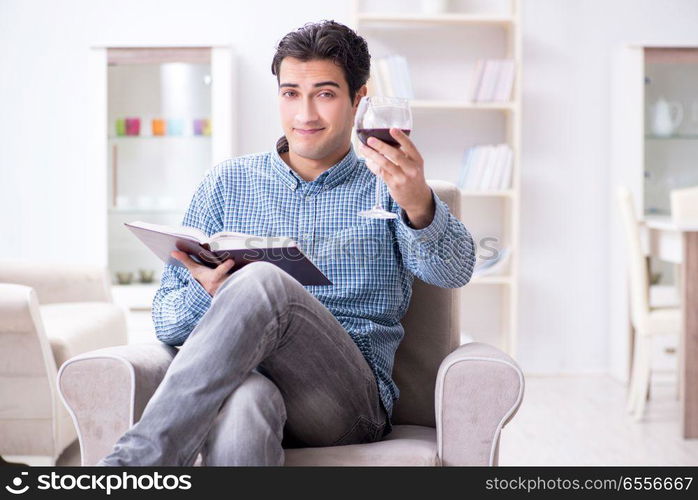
(684,205)
(636,261)
(432,331)
(58,282)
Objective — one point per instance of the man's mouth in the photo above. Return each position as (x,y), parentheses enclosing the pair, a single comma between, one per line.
(310,131)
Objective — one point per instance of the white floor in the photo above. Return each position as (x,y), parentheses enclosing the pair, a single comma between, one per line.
(581,420)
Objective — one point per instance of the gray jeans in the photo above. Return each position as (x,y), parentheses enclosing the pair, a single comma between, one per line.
(267,367)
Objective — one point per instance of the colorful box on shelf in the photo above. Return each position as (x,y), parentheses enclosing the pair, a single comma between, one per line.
(120,126)
(202,126)
(133,126)
(159,126)
(175,126)
(162,127)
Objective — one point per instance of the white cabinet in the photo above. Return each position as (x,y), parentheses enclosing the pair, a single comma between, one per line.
(653,145)
(162,116)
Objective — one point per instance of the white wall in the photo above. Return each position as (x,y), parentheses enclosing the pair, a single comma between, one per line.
(567,46)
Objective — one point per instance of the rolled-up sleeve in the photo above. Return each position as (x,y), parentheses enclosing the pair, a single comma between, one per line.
(441,254)
(180,301)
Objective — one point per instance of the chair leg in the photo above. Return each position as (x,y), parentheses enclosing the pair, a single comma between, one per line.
(643,379)
(678,280)
(679,373)
(633,388)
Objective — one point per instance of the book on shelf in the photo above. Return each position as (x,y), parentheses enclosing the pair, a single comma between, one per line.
(390,76)
(212,250)
(486,167)
(492,265)
(465,166)
(491,80)
(505,82)
(475,79)
(491,165)
(384,81)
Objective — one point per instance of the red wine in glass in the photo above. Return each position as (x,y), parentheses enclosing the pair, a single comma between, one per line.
(375,116)
(379,133)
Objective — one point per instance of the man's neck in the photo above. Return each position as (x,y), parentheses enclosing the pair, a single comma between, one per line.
(309,169)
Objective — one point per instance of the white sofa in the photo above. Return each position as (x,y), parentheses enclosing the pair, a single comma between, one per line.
(48,314)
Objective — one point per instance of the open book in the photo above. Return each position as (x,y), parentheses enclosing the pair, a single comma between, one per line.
(215,249)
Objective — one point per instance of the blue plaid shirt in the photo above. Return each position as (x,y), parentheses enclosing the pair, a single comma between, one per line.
(371,262)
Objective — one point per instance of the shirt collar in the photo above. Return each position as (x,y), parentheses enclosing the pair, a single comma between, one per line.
(334,175)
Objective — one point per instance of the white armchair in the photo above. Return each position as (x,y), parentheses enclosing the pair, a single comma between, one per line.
(48,314)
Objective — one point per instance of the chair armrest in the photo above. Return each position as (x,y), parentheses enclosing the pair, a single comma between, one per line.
(106,391)
(478,390)
(59,282)
(28,397)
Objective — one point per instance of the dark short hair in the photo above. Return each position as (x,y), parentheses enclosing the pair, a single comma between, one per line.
(327,40)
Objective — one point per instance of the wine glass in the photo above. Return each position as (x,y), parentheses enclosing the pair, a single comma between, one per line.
(375,117)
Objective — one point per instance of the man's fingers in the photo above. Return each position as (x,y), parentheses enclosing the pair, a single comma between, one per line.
(185,259)
(395,155)
(379,160)
(383,167)
(223,268)
(405,142)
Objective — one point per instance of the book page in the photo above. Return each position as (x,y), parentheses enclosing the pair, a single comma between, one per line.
(235,241)
(191,232)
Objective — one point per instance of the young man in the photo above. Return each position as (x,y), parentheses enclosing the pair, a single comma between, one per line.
(265,362)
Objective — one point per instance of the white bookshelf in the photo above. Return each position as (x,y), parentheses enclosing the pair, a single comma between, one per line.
(441,50)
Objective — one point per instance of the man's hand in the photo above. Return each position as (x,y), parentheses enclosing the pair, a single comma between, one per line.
(402,169)
(209,278)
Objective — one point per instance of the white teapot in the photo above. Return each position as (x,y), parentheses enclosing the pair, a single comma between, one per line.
(666,117)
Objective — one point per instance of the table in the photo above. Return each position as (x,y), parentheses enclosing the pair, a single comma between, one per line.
(676,243)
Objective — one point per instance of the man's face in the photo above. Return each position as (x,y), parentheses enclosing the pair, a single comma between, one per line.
(316,113)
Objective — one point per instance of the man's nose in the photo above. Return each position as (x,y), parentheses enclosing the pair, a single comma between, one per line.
(307,112)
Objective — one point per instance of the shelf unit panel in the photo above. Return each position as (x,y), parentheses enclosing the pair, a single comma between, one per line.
(436,19)
(481,314)
(464,105)
(491,280)
(507,193)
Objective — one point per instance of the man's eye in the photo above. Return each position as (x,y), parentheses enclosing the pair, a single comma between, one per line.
(327,94)
(288,92)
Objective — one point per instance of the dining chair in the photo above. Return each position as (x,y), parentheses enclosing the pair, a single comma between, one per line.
(648,321)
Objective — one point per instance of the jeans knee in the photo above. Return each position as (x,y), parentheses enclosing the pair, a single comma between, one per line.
(267,277)
(256,397)
(249,427)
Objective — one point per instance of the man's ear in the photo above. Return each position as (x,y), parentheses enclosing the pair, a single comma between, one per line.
(359,94)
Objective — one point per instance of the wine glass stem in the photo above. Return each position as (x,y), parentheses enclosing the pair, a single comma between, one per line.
(378,190)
